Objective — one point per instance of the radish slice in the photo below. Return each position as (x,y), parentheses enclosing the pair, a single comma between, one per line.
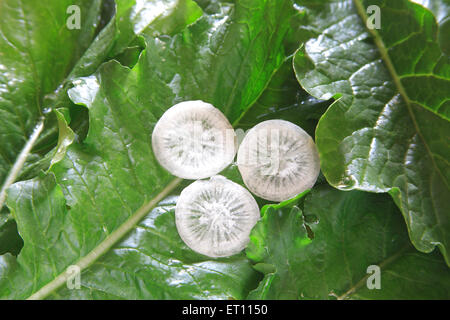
(194,140)
(278,160)
(214,217)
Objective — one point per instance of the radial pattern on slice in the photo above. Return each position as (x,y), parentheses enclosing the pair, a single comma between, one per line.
(278,160)
(194,140)
(214,217)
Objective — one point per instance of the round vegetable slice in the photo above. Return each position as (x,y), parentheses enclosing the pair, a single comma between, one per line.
(278,160)
(194,140)
(214,217)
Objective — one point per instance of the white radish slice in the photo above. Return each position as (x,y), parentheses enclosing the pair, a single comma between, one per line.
(278,160)
(214,217)
(194,140)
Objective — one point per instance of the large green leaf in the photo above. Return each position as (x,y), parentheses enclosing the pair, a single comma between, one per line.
(387,132)
(135,18)
(130,20)
(328,257)
(154,259)
(152,262)
(40,57)
(37,52)
(107,183)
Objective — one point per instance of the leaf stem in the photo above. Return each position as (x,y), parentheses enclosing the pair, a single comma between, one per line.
(22,157)
(106,244)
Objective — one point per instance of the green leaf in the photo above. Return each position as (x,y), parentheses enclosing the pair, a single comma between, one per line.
(37,53)
(152,17)
(107,183)
(41,56)
(152,262)
(65,136)
(155,257)
(353,231)
(386,132)
(441,10)
(241,57)
(284,99)
(131,20)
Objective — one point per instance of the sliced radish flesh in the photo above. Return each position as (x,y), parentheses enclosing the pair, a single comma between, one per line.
(194,140)
(278,160)
(214,217)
